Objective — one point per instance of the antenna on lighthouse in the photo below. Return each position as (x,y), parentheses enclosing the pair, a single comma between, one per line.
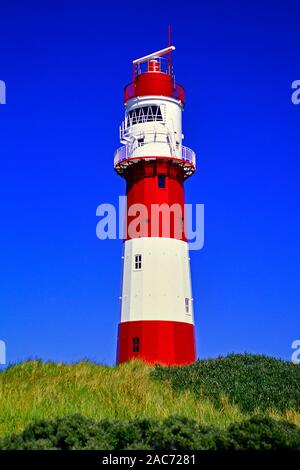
(170,53)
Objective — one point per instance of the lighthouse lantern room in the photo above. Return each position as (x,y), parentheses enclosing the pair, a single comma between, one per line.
(157,321)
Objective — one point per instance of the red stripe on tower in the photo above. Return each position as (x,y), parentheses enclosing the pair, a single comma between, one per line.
(157,321)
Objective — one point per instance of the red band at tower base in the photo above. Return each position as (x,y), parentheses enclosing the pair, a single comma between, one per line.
(156,342)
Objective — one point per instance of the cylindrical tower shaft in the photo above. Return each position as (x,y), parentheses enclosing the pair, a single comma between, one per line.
(157,323)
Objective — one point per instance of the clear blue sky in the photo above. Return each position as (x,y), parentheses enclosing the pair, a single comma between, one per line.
(65,64)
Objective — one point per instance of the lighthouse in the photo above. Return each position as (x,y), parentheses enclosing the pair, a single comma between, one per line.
(157,319)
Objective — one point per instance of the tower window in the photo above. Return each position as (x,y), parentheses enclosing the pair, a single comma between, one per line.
(135,344)
(187,305)
(161,181)
(138,262)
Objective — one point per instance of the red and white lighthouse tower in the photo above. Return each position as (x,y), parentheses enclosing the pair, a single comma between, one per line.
(157,323)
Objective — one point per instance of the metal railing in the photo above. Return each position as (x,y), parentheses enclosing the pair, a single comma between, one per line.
(163,63)
(126,128)
(121,154)
(188,155)
(126,153)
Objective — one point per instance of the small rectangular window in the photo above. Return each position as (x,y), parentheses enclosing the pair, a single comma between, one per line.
(135,344)
(187,305)
(161,181)
(138,262)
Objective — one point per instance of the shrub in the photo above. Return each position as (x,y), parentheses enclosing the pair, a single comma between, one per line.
(262,433)
(174,433)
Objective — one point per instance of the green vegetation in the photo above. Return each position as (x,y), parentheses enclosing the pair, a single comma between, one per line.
(212,399)
(252,382)
(174,433)
(37,390)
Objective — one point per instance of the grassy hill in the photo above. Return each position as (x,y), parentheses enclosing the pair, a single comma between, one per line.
(216,393)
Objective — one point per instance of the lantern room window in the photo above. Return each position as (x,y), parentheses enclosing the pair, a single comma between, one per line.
(144,114)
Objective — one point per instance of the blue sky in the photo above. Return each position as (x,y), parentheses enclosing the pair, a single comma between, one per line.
(65,65)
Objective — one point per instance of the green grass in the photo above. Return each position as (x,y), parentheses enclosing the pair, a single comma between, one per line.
(252,382)
(214,392)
